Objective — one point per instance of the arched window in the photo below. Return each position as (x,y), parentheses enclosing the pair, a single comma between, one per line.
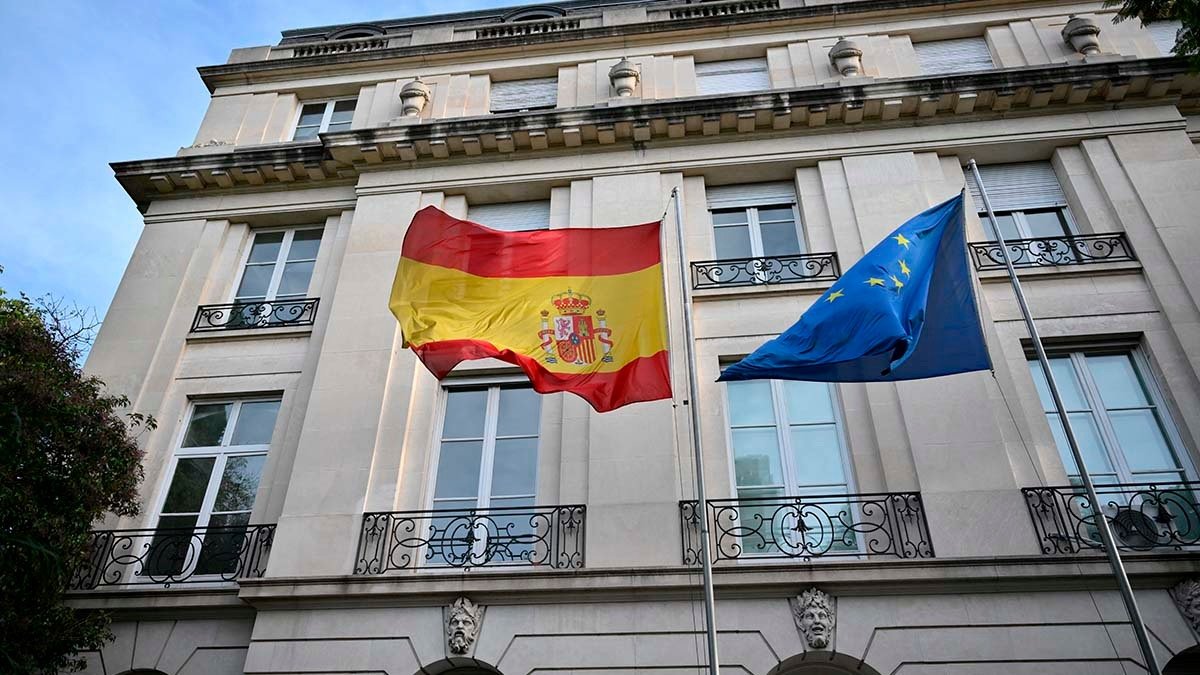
(359,31)
(544,13)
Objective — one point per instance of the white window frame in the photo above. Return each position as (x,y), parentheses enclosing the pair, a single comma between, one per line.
(791,487)
(325,118)
(1022,224)
(1108,436)
(483,491)
(221,453)
(280,260)
(756,242)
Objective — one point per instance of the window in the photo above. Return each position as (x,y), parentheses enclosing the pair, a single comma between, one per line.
(214,480)
(1164,33)
(732,77)
(1026,198)
(519,95)
(487,461)
(755,220)
(513,216)
(322,116)
(1124,432)
(964,55)
(786,440)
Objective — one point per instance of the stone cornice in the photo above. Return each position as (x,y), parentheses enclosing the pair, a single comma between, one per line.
(238,73)
(804,110)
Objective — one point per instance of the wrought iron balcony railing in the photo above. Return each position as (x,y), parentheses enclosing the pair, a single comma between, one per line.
(805,527)
(172,556)
(1143,516)
(258,314)
(779,269)
(1083,249)
(545,536)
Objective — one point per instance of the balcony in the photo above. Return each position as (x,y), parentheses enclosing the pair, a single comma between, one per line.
(781,269)
(802,528)
(258,314)
(1084,249)
(539,536)
(172,556)
(1143,516)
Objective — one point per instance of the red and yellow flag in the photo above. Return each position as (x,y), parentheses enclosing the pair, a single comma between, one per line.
(579,310)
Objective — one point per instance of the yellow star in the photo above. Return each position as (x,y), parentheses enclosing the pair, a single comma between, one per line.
(904,268)
(874,282)
(834,296)
(899,284)
(902,240)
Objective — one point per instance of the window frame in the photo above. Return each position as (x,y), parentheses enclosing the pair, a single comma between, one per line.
(733,70)
(280,261)
(1109,440)
(323,127)
(492,385)
(755,226)
(1022,224)
(529,108)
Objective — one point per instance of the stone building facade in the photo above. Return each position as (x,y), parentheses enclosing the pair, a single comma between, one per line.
(316,502)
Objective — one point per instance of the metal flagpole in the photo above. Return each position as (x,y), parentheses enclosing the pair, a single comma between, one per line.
(1106,536)
(710,603)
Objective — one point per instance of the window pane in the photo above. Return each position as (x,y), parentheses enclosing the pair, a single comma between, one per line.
(775,214)
(255,281)
(465,411)
(520,412)
(756,457)
(266,247)
(311,114)
(514,469)
(338,126)
(750,403)
(1142,440)
(1008,226)
(808,402)
(222,547)
(733,242)
(1068,385)
(343,111)
(296,276)
(1084,426)
(256,421)
(188,485)
(305,244)
(1117,381)
(171,550)
(779,238)
(207,426)
(239,483)
(818,455)
(458,469)
(1046,223)
(305,133)
(736,217)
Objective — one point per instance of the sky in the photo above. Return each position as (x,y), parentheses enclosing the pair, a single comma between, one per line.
(87,83)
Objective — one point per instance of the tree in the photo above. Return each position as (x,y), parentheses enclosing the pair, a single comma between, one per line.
(68,455)
(1187,12)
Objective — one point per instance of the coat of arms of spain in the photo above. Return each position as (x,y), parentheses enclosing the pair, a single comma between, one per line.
(572,335)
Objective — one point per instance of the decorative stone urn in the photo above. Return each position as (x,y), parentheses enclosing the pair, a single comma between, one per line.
(624,76)
(413,97)
(1083,34)
(846,57)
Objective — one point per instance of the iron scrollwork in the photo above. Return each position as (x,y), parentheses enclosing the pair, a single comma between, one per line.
(1084,249)
(171,556)
(780,269)
(806,527)
(548,536)
(1143,516)
(258,314)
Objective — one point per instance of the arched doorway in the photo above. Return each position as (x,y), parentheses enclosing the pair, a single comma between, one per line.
(822,663)
(459,666)
(1184,663)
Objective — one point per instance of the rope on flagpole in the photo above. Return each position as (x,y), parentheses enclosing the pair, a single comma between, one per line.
(1101,523)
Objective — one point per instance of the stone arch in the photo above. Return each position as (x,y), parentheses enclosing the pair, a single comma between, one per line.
(361,30)
(142,671)
(459,665)
(534,13)
(1186,661)
(822,663)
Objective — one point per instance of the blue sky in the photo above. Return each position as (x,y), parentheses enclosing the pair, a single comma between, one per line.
(88,83)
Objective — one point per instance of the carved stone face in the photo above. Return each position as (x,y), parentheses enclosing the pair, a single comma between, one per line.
(816,625)
(462,626)
(1187,597)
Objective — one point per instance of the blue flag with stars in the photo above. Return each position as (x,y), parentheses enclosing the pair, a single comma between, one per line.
(905,311)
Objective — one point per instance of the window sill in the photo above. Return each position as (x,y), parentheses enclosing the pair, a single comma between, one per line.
(1049,272)
(734,292)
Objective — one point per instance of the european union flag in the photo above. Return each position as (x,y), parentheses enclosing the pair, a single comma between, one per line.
(903,312)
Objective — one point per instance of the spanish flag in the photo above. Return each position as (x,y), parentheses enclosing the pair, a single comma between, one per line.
(579,310)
